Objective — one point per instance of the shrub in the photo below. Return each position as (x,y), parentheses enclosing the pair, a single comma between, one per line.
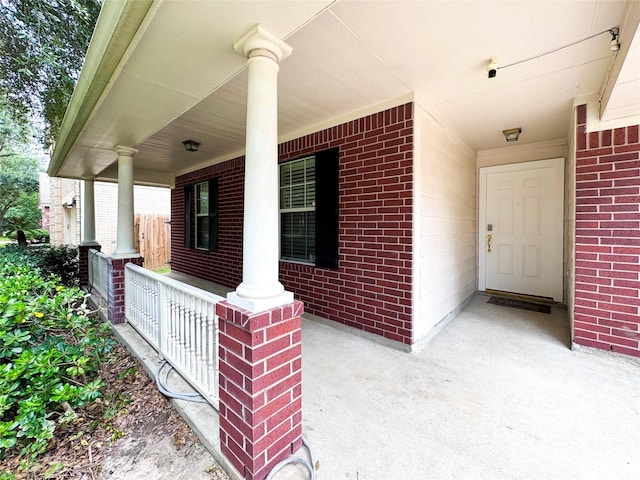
(60,261)
(34,235)
(50,351)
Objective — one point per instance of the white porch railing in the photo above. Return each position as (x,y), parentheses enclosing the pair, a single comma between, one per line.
(98,273)
(180,322)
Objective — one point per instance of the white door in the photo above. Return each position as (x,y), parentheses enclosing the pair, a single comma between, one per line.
(521,223)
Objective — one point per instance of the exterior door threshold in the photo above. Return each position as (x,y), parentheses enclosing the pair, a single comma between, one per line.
(520,296)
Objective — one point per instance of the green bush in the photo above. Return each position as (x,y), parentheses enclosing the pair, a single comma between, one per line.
(50,352)
(60,261)
(34,235)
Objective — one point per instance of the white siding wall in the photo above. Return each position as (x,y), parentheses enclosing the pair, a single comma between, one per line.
(446,226)
(523,153)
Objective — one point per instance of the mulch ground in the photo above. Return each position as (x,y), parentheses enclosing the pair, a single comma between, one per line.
(130,403)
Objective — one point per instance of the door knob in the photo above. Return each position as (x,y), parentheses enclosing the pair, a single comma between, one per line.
(489,237)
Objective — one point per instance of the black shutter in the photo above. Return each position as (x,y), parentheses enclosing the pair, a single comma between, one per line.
(213,215)
(188,216)
(327,208)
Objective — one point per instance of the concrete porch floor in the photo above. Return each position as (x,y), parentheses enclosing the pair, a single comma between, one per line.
(496,394)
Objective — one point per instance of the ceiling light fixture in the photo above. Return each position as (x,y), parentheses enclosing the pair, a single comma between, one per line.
(191,145)
(512,134)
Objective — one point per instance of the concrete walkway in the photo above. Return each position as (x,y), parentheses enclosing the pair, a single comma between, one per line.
(497,394)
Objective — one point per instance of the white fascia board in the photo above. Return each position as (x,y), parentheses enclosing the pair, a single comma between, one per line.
(117,25)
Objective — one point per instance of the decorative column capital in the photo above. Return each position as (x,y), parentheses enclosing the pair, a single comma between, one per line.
(88,178)
(259,38)
(125,151)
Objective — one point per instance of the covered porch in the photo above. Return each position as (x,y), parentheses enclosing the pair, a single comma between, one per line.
(497,394)
(318,157)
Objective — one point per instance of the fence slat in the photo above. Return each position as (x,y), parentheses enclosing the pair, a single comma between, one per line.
(152,238)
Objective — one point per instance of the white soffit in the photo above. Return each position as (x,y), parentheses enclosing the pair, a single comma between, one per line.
(622,99)
(184,54)
(183,80)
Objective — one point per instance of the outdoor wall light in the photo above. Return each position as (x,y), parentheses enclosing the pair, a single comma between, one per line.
(615,43)
(512,134)
(492,68)
(191,145)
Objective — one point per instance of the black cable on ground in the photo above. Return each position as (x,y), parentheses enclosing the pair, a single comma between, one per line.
(309,465)
(163,386)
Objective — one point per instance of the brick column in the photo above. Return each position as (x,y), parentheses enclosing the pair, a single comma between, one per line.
(83,261)
(260,386)
(115,271)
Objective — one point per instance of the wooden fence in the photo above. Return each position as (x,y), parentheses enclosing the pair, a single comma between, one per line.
(153,239)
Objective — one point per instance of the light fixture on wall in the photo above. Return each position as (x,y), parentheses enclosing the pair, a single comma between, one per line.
(191,145)
(492,68)
(615,43)
(512,134)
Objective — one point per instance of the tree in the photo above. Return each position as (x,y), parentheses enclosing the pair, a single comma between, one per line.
(18,183)
(25,215)
(12,133)
(42,46)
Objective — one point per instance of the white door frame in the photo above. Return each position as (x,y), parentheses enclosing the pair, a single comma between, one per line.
(557,211)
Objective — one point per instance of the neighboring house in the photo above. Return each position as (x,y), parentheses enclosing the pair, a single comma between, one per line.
(65,215)
(66,209)
(44,200)
(352,155)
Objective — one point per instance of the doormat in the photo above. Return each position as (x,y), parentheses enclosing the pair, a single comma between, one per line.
(524,305)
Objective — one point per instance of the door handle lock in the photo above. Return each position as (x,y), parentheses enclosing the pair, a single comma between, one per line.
(489,238)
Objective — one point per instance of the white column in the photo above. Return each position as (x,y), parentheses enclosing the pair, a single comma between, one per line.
(88,213)
(260,288)
(124,240)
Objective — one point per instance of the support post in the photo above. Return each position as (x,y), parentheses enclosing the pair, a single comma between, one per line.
(260,288)
(116,299)
(125,246)
(260,386)
(260,357)
(88,229)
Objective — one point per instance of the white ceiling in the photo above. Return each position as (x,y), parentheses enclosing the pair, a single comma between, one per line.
(182,80)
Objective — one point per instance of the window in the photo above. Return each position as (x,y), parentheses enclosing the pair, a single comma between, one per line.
(298,210)
(201,215)
(309,209)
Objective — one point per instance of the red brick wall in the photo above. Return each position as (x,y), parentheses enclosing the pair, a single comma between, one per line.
(607,290)
(225,265)
(372,289)
(45,221)
(116,287)
(260,386)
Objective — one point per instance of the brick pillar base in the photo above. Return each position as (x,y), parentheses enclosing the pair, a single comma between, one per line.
(83,262)
(260,386)
(115,271)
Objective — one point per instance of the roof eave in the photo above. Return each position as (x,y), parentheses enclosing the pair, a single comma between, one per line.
(117,25)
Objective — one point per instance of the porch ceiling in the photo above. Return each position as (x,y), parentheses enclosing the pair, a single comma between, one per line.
(179,77)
